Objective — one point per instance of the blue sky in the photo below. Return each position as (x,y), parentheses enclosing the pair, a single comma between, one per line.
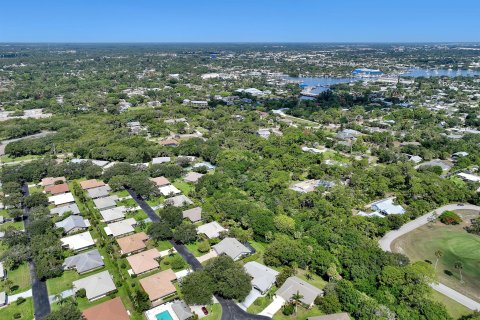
(240,21)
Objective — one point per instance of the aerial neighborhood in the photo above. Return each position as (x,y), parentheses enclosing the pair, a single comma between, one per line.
(225,181)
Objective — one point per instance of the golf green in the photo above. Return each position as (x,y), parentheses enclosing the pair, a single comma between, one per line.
(456,245)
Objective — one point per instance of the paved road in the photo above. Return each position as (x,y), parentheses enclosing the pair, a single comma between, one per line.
(41,304)
(230,310)
(387,240)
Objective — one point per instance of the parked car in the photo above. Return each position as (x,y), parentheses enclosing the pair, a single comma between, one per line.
(205,311)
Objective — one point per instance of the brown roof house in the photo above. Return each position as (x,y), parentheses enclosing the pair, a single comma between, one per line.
(50,181)
(133,243)
(192,177)
(333,316)
(144,261)
(159,285)
(109,310)
(55,189)
(160,181)
(92,183)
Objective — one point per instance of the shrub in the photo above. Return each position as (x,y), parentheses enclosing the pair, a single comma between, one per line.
(20,300)
(204,246)
(288,309)
(81,293)
(450,217)
(17,315)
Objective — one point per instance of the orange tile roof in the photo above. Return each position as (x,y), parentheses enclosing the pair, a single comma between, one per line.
(159,285)
(109,310)
(133,242)
(57,188)
(168,142)
(160,181)
(144,261)
(92,183)
(51,180)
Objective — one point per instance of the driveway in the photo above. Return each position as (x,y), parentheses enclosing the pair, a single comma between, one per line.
(250,299)
(208,256)
(273,307)
(386,243)
(41,303)
(144,205)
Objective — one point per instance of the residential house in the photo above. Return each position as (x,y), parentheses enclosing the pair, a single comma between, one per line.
(445,165)
(469,177)
(121,228)
(61,199)
(211,229)
(144,261)
(133,243)
(99,192)
(72,207)
(50,181)
(232,248)
(192,177)
(387,207)
(113,214)
(263,277)
(73,224)
(56,189)
(169,143)
(333,316)
(182,310)
(294,285)
(169,190)
(96,286)
(160,160)
(79,241)
(178,201)
(92,183)
(108,310)
(160,181)
(3,299)
(106,202)
(159,285)
(348,134)
(84,262)
(3,273)
(194,214)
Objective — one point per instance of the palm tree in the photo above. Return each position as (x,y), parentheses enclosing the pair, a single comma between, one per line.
(296,300)
(438,254)
(459,267)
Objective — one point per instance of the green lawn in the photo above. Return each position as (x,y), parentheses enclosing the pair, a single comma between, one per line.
(7,158)
(17,225)
(214,312)
(20,278)
(302,314)
(259,305)
(156,201)
(62,283)
(121,193)
(130,203)
(455,309)
(193,248)
(163,245)
(25,309)
(312,278)
(35,189)
(456,245)
(183,186)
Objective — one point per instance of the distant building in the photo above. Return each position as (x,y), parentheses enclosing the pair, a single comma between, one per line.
(294,285)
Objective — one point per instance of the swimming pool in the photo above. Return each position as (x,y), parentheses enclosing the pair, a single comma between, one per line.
(165,315)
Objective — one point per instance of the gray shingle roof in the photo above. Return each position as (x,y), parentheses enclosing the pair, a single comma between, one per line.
(84,262)
(194,214)
(96,285)
(232,248)
(99,192)
(293,285)
(72,222)
(64,209)
(263,277)
(182,310)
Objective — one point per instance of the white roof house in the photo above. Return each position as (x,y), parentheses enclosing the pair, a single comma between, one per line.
(194,214)
(73,223)
(121,228)
(106,202)
(61,199)
(294,285)
(469,177)
(78,241)
(2,271)
(113,214)
(387,207)
(169,190)
(232,248)
(72,207)
(178,201)
(211,229)
(96,286)
(263,277)
(99,192)
(160,160)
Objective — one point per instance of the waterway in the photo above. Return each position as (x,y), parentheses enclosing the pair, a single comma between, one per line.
(318,85)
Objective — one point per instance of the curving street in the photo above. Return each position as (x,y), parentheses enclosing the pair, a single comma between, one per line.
(386,243)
